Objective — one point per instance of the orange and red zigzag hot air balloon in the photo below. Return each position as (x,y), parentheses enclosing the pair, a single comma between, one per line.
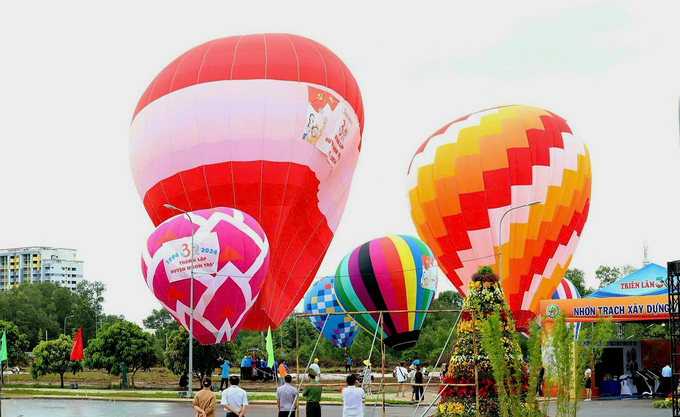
(266,124)
(471,171)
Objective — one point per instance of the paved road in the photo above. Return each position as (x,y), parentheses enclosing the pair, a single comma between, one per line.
(112,408)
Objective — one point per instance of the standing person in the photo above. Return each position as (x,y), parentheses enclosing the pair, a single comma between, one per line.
(352,398)
(315,366)
(348,363)
(234,399)
(541,374)
(205,400)
(412,379)
(366,376)
(285,397)
(666,373)
(442,371)
(312,393)
(419,384)
(283,370)
(400,373)
(225,374)
(589,384)
(416,361)
(243,366)
(248,369)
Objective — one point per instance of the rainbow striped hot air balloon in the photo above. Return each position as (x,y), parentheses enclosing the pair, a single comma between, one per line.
(388,274)
(340,330)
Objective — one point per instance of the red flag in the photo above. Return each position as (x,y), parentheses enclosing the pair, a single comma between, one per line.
(77,351)
(319,98)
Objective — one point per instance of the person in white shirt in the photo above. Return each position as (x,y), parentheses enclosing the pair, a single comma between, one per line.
(412,377)
(285,397)
(352,398)
(401,373)
(234,399)
(315,366)
(667,385)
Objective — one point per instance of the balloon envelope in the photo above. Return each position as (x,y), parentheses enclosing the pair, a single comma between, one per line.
(469,173)
(230,260)
(567,291)
(267,124)
(388,274)
(340,330)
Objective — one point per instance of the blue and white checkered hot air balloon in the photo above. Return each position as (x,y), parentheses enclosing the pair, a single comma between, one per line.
(567,291)
(340,329)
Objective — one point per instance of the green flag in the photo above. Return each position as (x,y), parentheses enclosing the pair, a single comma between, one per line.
(270,348)
(3,349)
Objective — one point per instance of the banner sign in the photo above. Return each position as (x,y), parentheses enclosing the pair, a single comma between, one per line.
(329,122)
(177,256)
(652,307)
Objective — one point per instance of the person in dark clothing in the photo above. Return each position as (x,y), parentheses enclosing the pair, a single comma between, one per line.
(541,374)
(419,380)
(184,381)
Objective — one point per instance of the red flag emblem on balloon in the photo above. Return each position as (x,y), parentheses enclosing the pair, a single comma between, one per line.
(77,351)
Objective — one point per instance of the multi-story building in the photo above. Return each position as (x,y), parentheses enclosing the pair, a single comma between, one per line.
(39,264)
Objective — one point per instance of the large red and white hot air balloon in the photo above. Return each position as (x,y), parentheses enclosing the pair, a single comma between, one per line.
(266,124)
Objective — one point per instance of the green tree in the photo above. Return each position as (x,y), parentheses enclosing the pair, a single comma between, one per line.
(53,357)
(608,275)
(32,312)
(560,351)
(117,343)
(88,298)
(17,343)
(162,323)
(577,277)
(206,357)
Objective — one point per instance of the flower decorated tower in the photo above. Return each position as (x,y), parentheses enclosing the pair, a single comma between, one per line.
(484,297)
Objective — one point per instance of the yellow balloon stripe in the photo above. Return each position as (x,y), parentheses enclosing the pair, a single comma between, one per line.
(410,276)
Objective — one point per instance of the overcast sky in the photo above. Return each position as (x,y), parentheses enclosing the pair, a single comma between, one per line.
(71,75)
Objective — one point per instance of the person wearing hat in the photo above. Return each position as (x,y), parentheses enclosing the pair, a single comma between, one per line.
(366,377)
(312,393)
(316,368)
(412,378)
(225,374)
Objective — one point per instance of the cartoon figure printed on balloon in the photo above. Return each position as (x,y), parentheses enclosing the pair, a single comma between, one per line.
(340,330)
(429,273)
(387,274)
(312,131)
(199,140)
(335,124)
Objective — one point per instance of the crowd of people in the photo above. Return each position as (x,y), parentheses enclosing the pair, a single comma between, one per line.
(235,399)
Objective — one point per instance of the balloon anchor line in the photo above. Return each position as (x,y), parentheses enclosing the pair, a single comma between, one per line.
(420,400)
(297,395)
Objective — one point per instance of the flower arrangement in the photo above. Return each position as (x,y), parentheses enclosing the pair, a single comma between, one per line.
(485,297)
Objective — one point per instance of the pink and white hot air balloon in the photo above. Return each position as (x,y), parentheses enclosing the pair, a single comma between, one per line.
(230,261)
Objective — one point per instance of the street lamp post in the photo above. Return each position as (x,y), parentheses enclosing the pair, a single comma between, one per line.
(66,318)
(191,302)
(500,230)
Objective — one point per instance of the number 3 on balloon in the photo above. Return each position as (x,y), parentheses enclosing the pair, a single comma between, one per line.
(185,248)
